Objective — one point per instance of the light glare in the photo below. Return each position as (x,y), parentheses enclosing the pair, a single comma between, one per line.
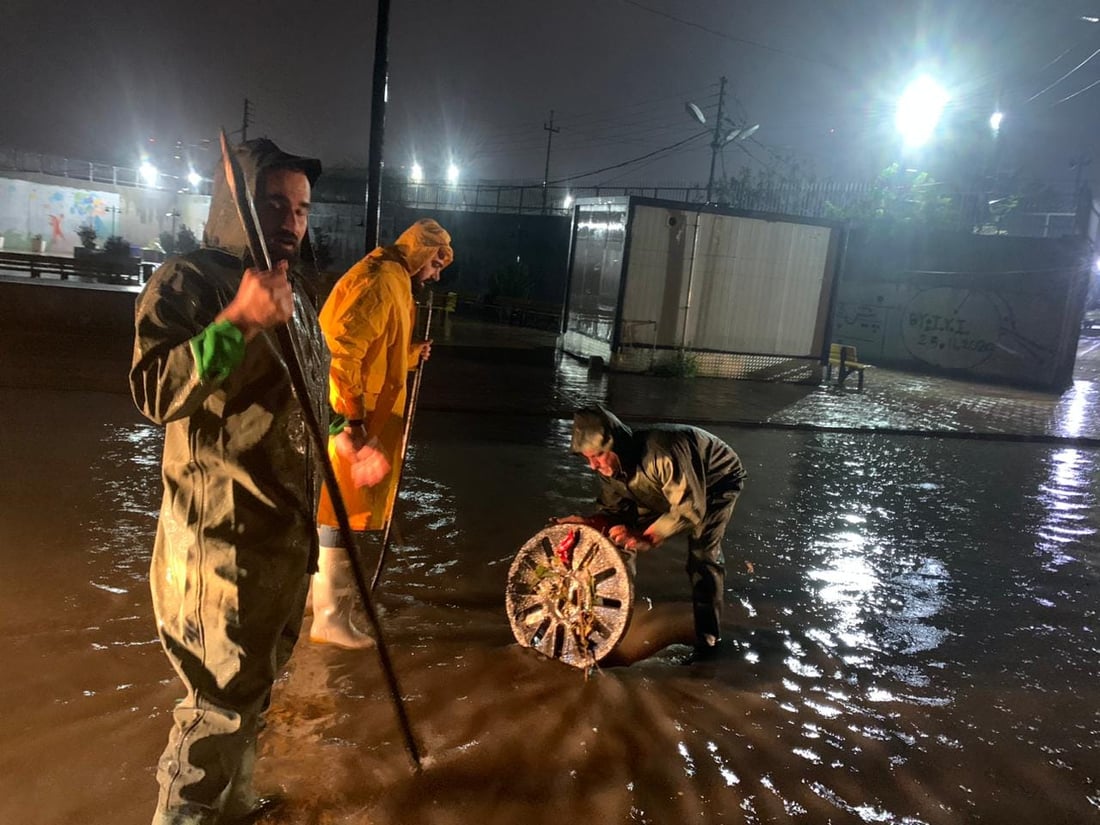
(194,178)
(919,110)
(995,121)
(416,174)
(148,173)
(452,174)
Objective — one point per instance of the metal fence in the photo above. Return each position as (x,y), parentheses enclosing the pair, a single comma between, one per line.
(16,160)
(1050,214)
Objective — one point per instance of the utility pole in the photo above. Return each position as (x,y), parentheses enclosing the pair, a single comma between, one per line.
(379,83)
(550,131)
(1078,164)
(716,143)
(246,119)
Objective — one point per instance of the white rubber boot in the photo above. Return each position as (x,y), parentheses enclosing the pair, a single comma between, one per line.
(334,601)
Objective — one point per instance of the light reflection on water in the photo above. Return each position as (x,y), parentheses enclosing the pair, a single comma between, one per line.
(1068,497)
(915,628)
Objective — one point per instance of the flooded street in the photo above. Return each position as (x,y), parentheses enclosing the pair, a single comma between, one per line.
(912,636)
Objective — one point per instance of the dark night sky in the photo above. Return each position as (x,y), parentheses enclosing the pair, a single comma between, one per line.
(477,78)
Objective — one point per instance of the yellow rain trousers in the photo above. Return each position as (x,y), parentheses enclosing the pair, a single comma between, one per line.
(368,323)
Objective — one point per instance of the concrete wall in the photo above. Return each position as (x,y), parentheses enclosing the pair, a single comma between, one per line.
(63,334)
(1006,310)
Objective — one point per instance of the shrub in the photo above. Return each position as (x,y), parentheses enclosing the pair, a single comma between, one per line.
(87,236)
(117,246)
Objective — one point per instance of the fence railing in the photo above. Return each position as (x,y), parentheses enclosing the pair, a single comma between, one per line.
(16,160)
(1045,215)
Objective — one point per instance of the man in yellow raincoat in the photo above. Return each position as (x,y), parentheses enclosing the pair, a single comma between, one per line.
(368,323)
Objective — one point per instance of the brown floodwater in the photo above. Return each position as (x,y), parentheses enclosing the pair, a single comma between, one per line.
(912,637)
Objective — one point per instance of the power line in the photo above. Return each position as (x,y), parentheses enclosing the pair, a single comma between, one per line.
(1080,91)
(632,160)
(1063,77)
(725,36)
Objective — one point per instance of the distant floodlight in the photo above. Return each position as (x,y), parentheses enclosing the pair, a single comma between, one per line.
(995,121)
(1090,19)
(748,133)
(416,174)
(1097,264)
(696,113)
(148,173)
(452,174)
(194,178)
(919,110)
(568,202)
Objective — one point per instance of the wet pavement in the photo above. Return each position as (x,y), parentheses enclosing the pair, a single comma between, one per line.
(912,632)
(891,401)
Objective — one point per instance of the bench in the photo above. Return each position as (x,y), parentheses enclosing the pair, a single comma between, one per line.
(845,359)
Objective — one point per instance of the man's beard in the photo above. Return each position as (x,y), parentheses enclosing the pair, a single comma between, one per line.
(276,252)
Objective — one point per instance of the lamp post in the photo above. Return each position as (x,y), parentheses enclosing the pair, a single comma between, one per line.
(725,131)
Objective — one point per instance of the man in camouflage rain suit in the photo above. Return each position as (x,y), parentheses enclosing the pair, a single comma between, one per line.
(236,539)
(658,482)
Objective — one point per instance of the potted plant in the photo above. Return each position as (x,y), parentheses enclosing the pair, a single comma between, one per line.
(38,244)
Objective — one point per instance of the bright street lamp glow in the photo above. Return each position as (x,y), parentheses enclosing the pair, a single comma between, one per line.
(416,174)
(995,121)
(452,174)
(148,173)
(568,202)
(919,110)
(194,178)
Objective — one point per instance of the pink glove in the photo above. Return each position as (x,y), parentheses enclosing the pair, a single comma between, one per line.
(369,464)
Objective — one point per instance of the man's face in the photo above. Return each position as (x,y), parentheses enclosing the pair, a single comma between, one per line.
(604,462)
(282,206)
(429,272)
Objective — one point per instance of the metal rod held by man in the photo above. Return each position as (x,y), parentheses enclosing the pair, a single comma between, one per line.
(401,455)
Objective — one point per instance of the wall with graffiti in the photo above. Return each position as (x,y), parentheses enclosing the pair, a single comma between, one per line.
(994,321)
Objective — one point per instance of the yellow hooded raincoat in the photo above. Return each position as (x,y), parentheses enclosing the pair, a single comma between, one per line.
(368,323)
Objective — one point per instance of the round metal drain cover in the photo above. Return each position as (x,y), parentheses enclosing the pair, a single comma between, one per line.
(570,594)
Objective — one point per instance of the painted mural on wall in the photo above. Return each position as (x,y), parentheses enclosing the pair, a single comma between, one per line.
(54,212)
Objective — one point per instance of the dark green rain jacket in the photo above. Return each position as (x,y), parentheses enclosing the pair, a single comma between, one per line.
(669,471)
(240,481)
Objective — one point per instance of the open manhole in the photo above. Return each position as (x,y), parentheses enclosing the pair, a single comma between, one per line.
(570,594)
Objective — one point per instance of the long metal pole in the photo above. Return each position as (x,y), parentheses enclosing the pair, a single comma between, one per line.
(246,210)
(379,86)
(716,144)
(413,397)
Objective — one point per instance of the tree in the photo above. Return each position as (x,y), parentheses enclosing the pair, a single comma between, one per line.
(899,198)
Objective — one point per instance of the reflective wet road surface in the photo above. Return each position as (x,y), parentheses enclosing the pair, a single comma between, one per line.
(912,636)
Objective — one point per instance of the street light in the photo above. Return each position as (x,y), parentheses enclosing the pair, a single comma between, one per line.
(452,173)
(416,174)
(725,131)
(995,121)
(919,109)
(194,178)
(148,173)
